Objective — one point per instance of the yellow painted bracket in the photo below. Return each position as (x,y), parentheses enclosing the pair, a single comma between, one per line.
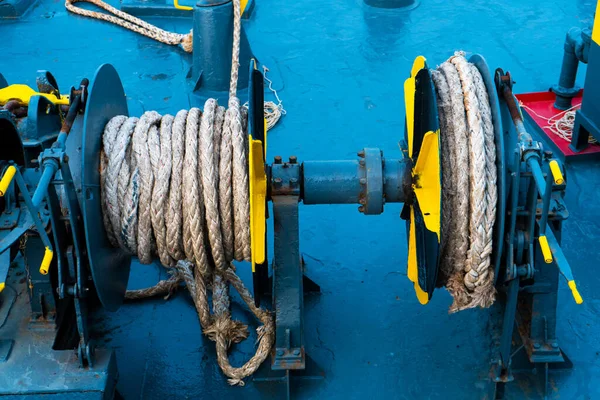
(546,252)
(2,286)
(45,266)
(243,4)
(258,198)
(413,270)
(556,172)
(22,94)
(409,100)
(7,179)
(427,188)
(427,183)
(575,292)
(596,29)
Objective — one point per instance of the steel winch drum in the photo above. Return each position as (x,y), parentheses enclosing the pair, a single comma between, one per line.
(109,265)
(426,119)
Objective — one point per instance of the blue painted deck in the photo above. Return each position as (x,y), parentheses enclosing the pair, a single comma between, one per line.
(340,66)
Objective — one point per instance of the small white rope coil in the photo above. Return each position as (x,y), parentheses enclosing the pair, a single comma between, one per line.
(560,124)
(469,184)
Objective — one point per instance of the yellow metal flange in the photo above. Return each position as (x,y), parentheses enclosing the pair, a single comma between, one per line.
(258,199)
(410,88)
(22,94)
(426,178)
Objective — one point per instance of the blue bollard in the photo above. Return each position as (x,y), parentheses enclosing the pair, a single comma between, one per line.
(213,39)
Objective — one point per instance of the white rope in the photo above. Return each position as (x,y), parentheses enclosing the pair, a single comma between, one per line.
(469,185)
(185,184)
(132,23)
(560,124)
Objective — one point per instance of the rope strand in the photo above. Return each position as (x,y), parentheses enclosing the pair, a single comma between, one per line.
(469,183)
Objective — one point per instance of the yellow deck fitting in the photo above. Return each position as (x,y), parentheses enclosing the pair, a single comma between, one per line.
(546,252)
(45,266)
(7,179)
(22,94)
(243,4)
(575,292)
(556,172)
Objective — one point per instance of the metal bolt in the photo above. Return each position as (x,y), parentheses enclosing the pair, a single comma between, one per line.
(361,153)
(363,181)
(277,160)
(554,345)
(294,182)
(548,153)
(279,352)
(297,352)
(361,209)
(277,182)
(362,163)
(536,346)
(293,159)
(362,201)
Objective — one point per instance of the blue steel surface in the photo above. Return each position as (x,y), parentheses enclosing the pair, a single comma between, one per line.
(341,70)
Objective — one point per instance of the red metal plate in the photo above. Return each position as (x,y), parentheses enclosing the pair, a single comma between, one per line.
(542,103)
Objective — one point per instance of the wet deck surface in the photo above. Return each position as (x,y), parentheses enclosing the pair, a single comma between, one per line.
(340,67)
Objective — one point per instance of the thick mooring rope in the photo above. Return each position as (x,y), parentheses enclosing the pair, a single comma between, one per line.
(132,23)
(469,183)
(177,186)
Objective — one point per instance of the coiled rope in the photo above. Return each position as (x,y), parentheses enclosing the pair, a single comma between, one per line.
(177,186)
(469,184)
(560,124)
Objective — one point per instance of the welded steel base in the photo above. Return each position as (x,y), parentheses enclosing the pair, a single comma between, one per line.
(30,368)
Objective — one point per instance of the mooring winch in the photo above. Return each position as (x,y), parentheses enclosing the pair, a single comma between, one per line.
(52,196)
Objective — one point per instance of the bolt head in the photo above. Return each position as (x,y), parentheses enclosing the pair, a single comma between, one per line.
(297,352)
(277,160)
(536,346)
(278,180)
(363,181)
(362,201)
(361,209)
(280,352)
(361,153)
(293,159)
(554,345)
